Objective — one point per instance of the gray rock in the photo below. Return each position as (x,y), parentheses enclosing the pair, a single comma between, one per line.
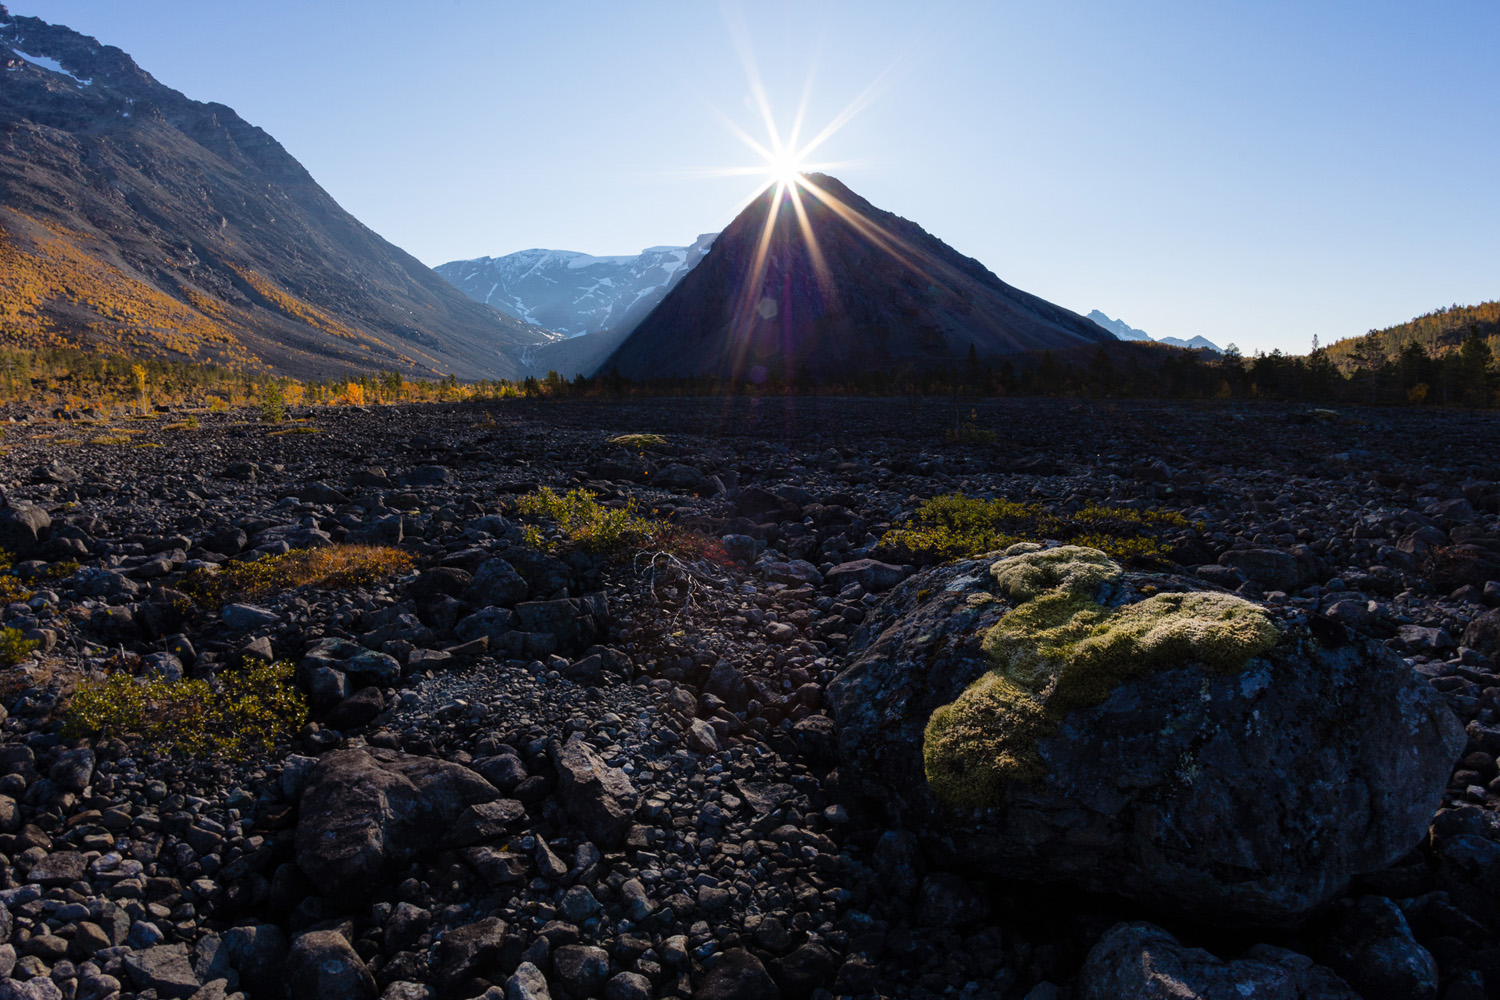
(628,986)
(257,952)
(24,527)
(601,799)
(527,983)
(365,811)
(244,617)
(1275,569)
(1248,796)
(1139,961)
(58,869)
(737,975)
(40,988)
(73,769)
(496,584)
(165,968)
(582,969)
(870,574)
(322,966)
(464,951)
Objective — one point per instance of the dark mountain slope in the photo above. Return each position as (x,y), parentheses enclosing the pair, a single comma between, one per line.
(869,290)
(137,219)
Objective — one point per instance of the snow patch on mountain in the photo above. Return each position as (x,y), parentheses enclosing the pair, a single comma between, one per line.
(1124,331)
(576,293)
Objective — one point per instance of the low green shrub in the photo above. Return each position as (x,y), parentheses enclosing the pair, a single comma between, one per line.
(13,648)
(643,442)
(957,527)
(253,707)
(586,523)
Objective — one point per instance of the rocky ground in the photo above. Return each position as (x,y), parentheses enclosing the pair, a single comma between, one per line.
(533,776)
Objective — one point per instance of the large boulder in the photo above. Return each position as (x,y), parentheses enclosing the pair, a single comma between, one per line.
(1138,961)
(364,812)
(601,799)
(24,527)
(1048,720)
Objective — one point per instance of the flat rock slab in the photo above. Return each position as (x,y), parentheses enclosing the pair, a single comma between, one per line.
(165,968)
(58,869)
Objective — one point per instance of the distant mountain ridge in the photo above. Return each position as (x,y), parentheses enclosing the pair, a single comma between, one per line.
(1124,331)
(576,293)
(134,218)
(869,290)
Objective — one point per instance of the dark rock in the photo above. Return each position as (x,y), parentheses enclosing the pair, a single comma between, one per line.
(496,584)
(870,574)
(365,811)
(527,983)
(465,951)
(1174,781)
(737,975)
(1137,961)
(357,710)
(804,970)
(165,968)
(1275,569)
(950,900)
(581,969)
(323,966)
(24,528)
(601,799)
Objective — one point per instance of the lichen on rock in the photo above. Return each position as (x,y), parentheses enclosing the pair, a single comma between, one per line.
(1071,569)
(1061,650)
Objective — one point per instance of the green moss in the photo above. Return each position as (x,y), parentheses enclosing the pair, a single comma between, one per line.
(1060,651)
(1069,569)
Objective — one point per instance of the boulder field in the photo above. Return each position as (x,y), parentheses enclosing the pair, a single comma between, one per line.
(787,760)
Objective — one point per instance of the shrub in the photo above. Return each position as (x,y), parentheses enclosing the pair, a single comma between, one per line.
(11,590)
(586,523)
(333,567)
(300,429)
(643,442)
(255,706)
(13,648)
(957,526)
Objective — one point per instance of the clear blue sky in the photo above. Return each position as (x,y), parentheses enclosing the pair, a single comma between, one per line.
(1256,172)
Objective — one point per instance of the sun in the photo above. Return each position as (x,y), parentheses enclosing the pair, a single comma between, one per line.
(785,166)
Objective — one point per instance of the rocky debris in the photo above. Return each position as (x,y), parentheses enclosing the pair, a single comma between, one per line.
(1138,961)
(704,684)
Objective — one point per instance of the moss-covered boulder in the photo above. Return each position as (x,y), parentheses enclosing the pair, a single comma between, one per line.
(1045,715)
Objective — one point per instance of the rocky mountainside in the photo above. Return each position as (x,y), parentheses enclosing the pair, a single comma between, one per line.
(575,293)
(1124,331)
(857,288)
(134,217)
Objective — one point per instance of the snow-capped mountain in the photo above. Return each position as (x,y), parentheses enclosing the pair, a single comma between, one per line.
(576,293)
(1118,327)
(1124,331)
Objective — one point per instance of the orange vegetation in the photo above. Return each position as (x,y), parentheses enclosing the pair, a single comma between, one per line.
(50,271)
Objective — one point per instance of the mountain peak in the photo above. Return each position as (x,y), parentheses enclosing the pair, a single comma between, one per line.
(820,278)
